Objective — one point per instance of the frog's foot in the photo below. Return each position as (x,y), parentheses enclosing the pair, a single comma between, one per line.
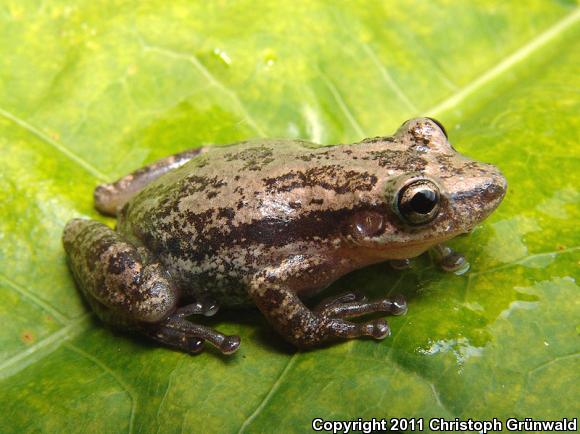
(181,334)
(175,339)
(188,332)
(400,264)
(449,260)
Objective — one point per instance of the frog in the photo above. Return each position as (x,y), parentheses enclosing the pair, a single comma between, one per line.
(270,223)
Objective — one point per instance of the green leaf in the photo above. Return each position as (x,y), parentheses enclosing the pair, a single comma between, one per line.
(92,90)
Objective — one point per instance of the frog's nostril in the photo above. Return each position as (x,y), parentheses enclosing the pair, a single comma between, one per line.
(493,192)
(496,185)
(504,184)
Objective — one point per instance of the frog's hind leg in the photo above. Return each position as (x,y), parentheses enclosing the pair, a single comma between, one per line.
(111,270)
(110,198)
(168,337)
(127,290)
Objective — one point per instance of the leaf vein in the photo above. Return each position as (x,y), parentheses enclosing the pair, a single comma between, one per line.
(33,298)
(115,376)
(203,70)
(46,346)
(438,400)
(522,261)
(53,143)
(389,79)
(342,105)
(551,362)
(510,61)
(270,393)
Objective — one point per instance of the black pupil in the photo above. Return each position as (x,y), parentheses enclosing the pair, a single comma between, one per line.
(423,201)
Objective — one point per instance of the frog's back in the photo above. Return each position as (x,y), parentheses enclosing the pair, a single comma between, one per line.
(246,199)
(213,198)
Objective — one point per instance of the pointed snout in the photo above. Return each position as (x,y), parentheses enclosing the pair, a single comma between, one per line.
(496,187)
(477,196)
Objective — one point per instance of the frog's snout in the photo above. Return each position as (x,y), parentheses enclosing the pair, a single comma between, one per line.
(477,196)
(488,192)
(496,189)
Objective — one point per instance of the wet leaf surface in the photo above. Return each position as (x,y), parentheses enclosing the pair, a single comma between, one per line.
(91,91)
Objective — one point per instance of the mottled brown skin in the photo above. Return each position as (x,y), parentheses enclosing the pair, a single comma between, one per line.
(270,223)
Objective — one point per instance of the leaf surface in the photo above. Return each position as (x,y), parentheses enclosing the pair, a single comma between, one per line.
(90,91)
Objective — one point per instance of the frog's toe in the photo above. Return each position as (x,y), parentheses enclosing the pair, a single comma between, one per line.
(205,307)
(178,333)
(193,345)
(377,329)
(211,309)
(393,306)
(449,260)
(347,297)
(227,344)
(230,344)
(396,305)
(333,328)
(455,263)
(175,339)
(400,264)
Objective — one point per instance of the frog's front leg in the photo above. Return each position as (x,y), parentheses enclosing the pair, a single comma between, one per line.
(126,289)
(306,328)
(110,198)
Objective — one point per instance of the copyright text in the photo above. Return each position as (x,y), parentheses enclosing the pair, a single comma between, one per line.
(442,425)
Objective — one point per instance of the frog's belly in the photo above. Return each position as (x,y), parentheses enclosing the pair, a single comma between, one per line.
(226,279)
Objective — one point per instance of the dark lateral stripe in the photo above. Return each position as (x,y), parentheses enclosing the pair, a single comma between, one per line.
(269,232)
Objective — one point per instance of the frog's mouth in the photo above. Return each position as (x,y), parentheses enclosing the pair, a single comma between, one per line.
(397,245)
(412,249)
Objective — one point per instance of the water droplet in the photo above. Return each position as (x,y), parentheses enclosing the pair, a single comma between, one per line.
(222,55)
(270,57)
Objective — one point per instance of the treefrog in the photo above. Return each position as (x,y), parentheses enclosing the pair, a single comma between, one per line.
(270,223)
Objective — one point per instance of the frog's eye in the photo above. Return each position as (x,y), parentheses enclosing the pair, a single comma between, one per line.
(418,202)
(441,127)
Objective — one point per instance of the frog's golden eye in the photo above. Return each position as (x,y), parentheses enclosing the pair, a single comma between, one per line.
(418,202)
(441,127)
